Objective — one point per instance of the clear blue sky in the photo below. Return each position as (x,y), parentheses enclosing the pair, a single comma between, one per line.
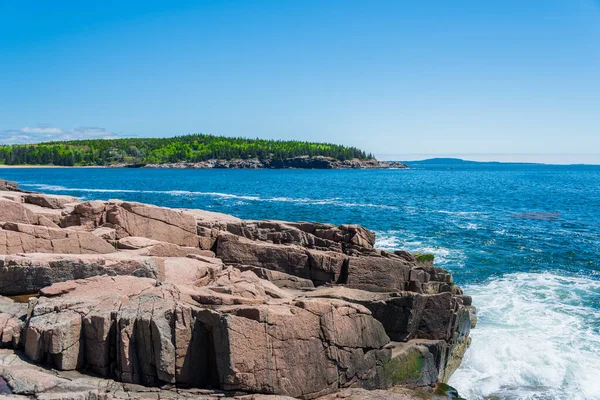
(391,77)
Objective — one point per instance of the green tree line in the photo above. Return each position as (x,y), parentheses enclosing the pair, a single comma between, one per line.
(188,148)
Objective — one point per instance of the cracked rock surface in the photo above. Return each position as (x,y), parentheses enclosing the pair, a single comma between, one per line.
(114,299)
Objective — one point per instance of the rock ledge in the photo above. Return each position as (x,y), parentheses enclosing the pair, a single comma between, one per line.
(147,299)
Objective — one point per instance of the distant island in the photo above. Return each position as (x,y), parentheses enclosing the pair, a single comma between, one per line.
(451,161)
(447,160)
(191,151)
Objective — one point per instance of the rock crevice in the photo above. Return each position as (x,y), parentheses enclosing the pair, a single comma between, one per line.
(152,296)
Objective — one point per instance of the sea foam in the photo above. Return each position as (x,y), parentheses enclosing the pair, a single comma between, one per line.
(538,337)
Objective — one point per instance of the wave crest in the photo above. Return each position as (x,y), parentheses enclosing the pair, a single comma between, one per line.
(538,337)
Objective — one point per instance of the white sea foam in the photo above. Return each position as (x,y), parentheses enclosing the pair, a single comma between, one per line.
(387,242)
(538,337)
(331,201)
(404,240)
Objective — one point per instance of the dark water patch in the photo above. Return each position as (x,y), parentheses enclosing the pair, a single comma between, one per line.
(540,216)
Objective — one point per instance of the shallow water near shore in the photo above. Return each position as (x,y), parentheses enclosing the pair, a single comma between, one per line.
(523,240)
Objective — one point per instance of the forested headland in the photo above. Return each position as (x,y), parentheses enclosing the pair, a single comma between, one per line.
(189,148)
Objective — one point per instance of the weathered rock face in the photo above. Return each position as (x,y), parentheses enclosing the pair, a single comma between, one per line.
(54,201)
(12,316)
(25,274)
(9,186)
(152,296)
(157,223)
(24,238)
(251,339)
(431,331)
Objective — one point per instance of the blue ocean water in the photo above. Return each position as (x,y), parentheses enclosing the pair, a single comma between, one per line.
(524,240)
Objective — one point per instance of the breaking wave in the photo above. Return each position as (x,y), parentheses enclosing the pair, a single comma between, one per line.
(404,240)
(538,337)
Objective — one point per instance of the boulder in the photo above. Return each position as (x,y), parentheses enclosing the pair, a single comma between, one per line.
(210,218)
(12,196)
(357,235)
(172,250)
(438,325)
(89,214)
(318,266)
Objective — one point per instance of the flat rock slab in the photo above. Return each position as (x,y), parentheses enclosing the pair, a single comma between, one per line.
(158,223)
(26,238)
(28,273)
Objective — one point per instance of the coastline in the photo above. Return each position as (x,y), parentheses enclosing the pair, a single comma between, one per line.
(3,166)
(302,162)
(172,275)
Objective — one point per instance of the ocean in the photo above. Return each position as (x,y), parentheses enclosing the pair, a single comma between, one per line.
(523,240)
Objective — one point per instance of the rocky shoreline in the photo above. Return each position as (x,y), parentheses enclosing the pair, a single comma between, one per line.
(303,162)
(116,299)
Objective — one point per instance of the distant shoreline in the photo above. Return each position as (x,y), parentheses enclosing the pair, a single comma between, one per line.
(302,162)
(49,166)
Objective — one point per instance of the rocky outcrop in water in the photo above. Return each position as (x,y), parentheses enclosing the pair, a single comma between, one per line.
(153,299)
(302,162)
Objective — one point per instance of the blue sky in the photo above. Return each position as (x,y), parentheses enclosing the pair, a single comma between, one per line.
(434,77)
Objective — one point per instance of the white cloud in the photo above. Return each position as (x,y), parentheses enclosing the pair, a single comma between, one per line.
(48,133)
(47,130)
